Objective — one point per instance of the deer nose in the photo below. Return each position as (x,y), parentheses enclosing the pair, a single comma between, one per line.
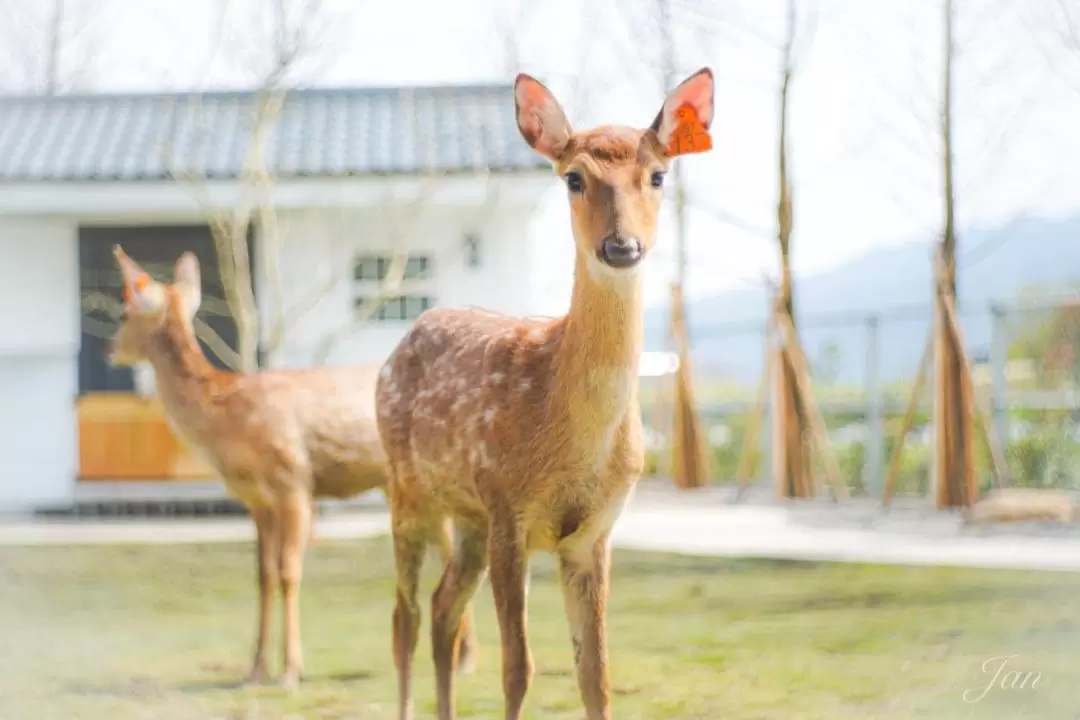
(620,252)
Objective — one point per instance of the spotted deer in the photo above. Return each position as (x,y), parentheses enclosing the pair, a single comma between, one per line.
(527,432)
(278,439)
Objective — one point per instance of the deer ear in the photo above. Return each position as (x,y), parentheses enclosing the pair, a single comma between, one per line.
(687,111)
(188,280)
(540,118)
(141,293)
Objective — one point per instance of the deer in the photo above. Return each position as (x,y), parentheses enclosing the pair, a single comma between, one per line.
(278,439)
(527,432)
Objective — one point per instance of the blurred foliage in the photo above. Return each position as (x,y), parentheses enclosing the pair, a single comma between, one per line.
(1045,452)
(1052,344)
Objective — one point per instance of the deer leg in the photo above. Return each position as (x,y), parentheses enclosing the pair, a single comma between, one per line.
(266,530)
(409,546)
(469,646)
(584,574)
(449,605)
(294,516)
(509,574)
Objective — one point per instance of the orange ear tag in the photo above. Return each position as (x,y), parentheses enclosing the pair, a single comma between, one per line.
(690,135)
(140,284)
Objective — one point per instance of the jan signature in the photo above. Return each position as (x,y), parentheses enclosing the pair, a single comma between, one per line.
(1002,678)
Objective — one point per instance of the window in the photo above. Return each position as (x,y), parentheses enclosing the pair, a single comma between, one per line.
(369,274)
(375,268)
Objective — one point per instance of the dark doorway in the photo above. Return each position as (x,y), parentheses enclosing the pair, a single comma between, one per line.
(156,249)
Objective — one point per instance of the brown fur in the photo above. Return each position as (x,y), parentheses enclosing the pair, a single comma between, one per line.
(278,439)
(527,432)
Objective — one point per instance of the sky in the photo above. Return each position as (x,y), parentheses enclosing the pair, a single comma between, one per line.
(864,109)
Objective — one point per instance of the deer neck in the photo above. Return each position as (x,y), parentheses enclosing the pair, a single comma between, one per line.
(596,364)
(183,375)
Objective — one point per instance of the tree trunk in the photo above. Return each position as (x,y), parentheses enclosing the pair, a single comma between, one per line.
(234,266)
(954,451)
(690,464)
(56,45)
(792,472)
(247,340)
(690,461)
(246,314)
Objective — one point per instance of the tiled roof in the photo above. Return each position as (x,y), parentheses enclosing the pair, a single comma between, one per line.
(319,133)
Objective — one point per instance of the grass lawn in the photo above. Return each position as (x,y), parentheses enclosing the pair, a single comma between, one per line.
(116,633)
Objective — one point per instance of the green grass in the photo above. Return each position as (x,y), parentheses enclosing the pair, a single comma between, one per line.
(159,633)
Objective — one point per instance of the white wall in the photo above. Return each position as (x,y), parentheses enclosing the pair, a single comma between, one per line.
(39,340)
(318,247)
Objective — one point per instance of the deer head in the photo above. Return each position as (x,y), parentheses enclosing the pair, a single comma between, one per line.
(614,175)
(149,305)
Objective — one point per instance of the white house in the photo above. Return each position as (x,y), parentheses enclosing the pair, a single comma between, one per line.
(357,174)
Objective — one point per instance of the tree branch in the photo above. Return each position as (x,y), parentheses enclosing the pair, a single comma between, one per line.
(98,328)
(103,303)
(217,345)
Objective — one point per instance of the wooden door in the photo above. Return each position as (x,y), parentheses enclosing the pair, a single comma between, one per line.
(125,437)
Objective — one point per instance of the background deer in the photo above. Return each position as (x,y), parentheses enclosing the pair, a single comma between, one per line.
(278,439)
(528,431)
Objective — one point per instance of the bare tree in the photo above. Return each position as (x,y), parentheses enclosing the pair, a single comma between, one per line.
(47,46)
(283,54)
(934,133)
(792,468)
(276,47)
(1055,28)
(710,23)
(653,34)
(792,420)
(690,454)
(954,426)
(512,22)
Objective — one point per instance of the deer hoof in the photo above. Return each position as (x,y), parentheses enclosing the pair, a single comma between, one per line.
(290,680)
(467,661)
(256,678)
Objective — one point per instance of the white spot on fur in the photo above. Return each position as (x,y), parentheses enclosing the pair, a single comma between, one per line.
(485,457)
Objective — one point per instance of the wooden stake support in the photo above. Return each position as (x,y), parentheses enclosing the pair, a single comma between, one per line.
(905,426)
(981,415)
(690,455)
(804,387)
(746,454)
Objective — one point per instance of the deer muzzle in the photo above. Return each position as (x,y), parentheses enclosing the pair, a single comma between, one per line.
(621,252)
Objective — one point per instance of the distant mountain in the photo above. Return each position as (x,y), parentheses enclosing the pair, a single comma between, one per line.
(996,265)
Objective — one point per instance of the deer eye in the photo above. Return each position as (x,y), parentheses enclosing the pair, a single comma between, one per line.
(657,179)
(574,182)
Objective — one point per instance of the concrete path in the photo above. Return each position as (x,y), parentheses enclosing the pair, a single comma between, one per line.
(166,532)
(656,522)
(772,533)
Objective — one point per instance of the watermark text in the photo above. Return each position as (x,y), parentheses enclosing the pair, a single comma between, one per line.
(1002,677)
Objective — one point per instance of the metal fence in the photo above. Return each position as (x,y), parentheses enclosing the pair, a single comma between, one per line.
(1026,371)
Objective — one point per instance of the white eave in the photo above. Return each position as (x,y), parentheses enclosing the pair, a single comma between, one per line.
(111,198)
